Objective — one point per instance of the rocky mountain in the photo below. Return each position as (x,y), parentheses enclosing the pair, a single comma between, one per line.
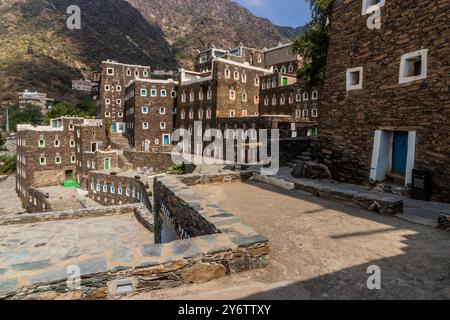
(38,51)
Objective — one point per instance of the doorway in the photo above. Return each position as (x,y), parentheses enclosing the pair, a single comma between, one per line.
(107,164)
(399,152)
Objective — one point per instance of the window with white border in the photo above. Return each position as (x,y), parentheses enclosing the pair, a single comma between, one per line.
(413,66)
(145,125)
(354,78)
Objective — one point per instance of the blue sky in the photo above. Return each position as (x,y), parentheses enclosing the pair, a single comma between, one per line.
(292,13)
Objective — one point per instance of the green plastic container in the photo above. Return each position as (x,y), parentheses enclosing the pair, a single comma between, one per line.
(70,184)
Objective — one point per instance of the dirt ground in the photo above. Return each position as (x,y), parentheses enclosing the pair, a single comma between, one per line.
(322,250)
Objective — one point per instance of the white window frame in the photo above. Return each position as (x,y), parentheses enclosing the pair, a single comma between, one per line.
(110,71)
(423,54)
(162,110)
(145,125)
(232,95)
(162,125)
(349,73)
(143,111)
(153,93)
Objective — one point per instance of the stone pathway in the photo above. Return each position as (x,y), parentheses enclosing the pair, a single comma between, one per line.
(9,200)
(322,249)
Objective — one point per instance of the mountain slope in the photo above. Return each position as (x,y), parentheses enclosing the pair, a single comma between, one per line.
(160,33)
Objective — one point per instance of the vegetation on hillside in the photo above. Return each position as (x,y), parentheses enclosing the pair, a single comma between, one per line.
(29,115)
(314,44)
(85,109)
(7,164)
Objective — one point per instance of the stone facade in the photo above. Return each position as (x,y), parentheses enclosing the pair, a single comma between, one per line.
(114,77)
(150,105)
(151,161)
(45,155)
(384,83)
(282,59)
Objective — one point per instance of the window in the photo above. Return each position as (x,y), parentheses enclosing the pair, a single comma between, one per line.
(120,115)
(191,114)
(183,97)
(256,99)
(274,100)
(413,66)
(107,87)
(208,114)
(143,92)
(162,110)
(203,59)
(107,114)
(244,97)
(305,96)
(282,99)
(41,143)
(118,101)
(244,113)
(275,70)
(105,188)
(283,69)
(298,97)
(263,86)
(244,77)
(257,82)
(268,84)
(305,113)
(71,127)
(314,95)
(200,114)
(191,96)
(259,58)
(144,110)
(209,94)
(72,159)
(136,73)
(119,88)
(98,187)
(200,95)
(42,161)
(110,71)
(183,114)
(153,92)
(291,68)
(58,160)
(162,125)
(314,113)
(232,113)
(354,78)
(145,73)
(266,101)
(232,95)
(57,144)
(128,72)
(227,73)
(119,190)
(107,101)
(291,99)
(298,113)
(145,125)
(274,83)
(173,94)
(112,189)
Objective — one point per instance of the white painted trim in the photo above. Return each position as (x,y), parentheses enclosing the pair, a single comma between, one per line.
(411,157)
(244,65)
(348,78)
(424,71)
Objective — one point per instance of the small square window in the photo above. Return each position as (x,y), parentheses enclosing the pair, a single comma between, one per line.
(162,110)
(57,143)
(118,101)
(107,101)
(144,110)
(58,160)
(413,66)
(41,143)
(162,125)
(163,93)
(354,78)
(42,161)
(71,127)
(118,88)
(145,125)
(143,92)
(145,74)
(110,71)
(107,87)
(153,93)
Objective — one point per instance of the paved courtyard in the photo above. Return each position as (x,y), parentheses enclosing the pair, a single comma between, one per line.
(322,250)
(31,250)
(9,200)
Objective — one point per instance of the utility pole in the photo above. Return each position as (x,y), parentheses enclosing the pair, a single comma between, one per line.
(7,118)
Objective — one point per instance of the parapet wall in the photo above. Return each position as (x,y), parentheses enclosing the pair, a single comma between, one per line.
(153,161)
(37,201)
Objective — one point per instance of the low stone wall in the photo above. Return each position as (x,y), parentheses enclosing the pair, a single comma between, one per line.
(153,161)
(37,201)
(290,148)
(444,222)
(119,189)
(25,218)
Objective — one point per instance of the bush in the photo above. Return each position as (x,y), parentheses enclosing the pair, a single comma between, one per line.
(8,164)
(177,168)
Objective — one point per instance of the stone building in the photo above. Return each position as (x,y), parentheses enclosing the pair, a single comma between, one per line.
(83,85)
(285,104)
(228,92)
(385,106)
(114,77)
(282,59)
(45,154)
(149,113)
(35,98)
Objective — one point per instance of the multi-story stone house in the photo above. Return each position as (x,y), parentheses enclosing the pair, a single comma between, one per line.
(114,77)
(39,99)
(227,93)
(385,106)
(283,59)
(45,154)
(204,59)
(92,150)
(149,114)
(285,104)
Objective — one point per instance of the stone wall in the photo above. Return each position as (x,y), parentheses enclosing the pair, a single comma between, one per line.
(294,147)
(350,118)
(121,188)
(153,161)
(37,201)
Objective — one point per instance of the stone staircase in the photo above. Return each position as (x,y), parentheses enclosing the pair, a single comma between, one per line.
(118,141)
(304,156)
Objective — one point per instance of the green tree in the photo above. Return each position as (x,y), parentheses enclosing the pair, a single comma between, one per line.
(2,141)
(313,45)
(7,164)
(30,115)
(86,108)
